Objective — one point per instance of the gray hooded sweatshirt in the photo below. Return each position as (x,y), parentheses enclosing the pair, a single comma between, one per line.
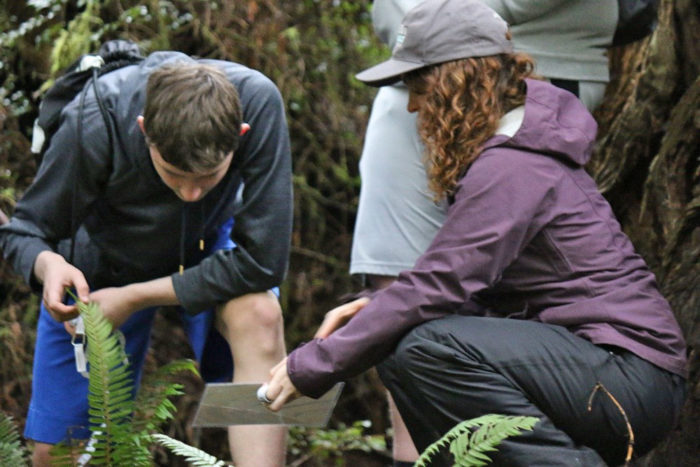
(568,39)
(527,236)
(134,228)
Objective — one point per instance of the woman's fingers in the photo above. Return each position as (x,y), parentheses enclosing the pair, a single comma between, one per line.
(280,389)
(338,316)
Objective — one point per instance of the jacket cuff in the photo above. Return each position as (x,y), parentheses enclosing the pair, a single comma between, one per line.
(308,381)
(25,263)
(186,294)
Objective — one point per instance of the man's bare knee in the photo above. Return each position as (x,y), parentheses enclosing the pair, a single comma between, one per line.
(249,314)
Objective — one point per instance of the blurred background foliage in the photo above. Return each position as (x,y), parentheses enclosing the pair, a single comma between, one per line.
(646,163)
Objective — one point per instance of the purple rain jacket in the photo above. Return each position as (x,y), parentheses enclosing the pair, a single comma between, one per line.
(528,236)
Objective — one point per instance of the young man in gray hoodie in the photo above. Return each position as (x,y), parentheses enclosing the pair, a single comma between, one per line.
(181,196)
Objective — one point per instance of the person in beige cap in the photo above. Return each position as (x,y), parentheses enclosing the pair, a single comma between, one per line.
(530,300)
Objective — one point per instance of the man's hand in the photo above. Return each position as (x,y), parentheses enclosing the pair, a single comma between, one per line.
(339,316)
(280,389)
(52,270)
(119,303)
(115,303)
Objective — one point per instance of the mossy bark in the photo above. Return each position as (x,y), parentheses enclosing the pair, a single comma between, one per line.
(646,163)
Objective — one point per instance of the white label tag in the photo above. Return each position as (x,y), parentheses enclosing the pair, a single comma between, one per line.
(90,61)
(38,138)
(78,342)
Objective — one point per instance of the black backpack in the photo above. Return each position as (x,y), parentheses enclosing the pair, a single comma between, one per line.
(637,19)
(111,56)
(77,80)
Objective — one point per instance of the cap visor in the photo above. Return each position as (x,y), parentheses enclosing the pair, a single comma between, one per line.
(387,72)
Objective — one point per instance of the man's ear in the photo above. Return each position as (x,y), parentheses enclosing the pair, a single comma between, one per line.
(140,121)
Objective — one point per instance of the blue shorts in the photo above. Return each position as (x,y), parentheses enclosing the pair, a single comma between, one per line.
(59,405)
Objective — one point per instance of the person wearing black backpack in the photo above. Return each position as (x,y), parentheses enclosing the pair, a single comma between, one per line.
(165,198)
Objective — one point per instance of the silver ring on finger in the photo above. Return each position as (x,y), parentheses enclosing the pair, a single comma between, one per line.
(262,395)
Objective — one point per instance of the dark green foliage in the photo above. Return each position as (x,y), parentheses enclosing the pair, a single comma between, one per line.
(314,443)
(153,406)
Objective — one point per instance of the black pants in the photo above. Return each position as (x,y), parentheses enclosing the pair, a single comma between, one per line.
(458,368)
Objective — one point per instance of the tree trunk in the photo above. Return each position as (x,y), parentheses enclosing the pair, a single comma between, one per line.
(646,163)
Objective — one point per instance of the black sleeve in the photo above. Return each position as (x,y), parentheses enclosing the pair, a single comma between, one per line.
(45,213)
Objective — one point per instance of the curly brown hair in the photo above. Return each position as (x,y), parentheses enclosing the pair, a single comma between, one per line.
(463,103)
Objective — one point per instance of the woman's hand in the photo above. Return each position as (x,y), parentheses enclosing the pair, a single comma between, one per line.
(338,316)
(280,389)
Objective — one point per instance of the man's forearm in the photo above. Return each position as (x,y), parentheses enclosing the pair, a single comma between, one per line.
(157,292)
(43,263)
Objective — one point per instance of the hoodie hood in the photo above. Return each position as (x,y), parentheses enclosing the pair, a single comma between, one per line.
(556,123)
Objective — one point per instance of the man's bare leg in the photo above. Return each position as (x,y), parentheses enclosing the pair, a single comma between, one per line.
(252,325)
(403,449)
(41,457)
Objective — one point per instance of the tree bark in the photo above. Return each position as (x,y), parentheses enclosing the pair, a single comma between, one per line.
(646,163)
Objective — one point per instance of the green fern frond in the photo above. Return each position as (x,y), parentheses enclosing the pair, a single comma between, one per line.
(111,387)
(12,453)
(66,453)
(110,396)
(11,458)
(175,367)
(8,430)
(121,430)
(194,456)
(153,405)
(469,447)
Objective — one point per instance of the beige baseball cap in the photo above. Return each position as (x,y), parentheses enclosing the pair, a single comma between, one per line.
(437,31)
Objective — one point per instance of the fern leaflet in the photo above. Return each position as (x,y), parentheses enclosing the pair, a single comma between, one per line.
(12,453)
(469,446)
(194,456)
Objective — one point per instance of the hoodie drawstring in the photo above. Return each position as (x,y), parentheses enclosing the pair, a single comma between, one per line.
(183,227)
(201,227)
(183,235)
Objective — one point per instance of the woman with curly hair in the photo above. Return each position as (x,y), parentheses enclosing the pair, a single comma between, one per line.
(530,300)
